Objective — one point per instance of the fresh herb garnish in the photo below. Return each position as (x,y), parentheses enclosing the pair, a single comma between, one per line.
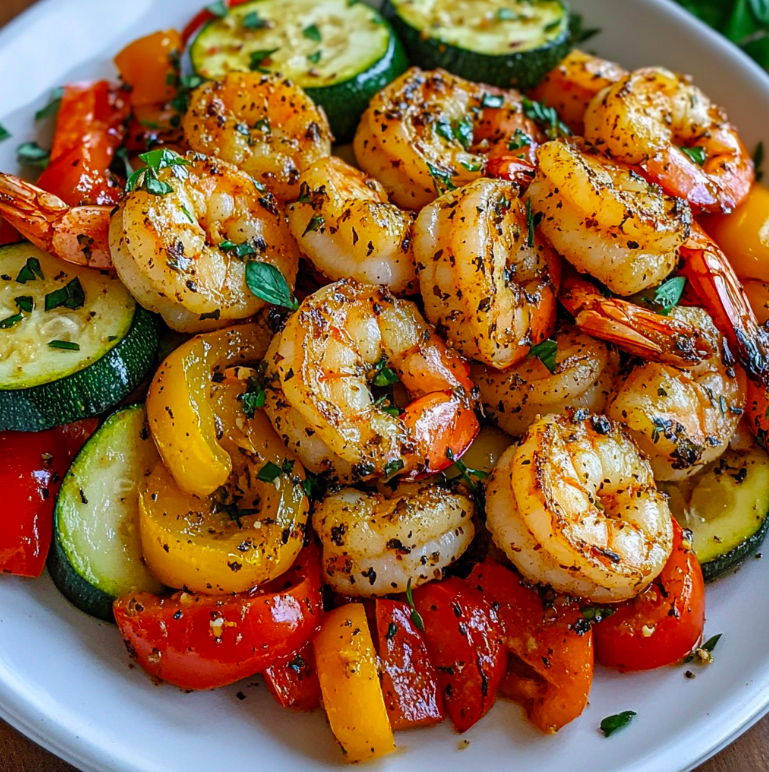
(29,271)
(4,133)
(53,105)
(263,124)
(546,118)
(416,617)
(31,154)
(268,283)
(519,140)
(612,724)
(64,344)
(492,100)
(463,131)
(312,33)
(441,178)
(25,303)
(147,178)
(121,157)
(71,295)
(260,56)
(244,249)
(219,8)
(384,376)
(472,167)
(11,321)
(392,629)
(314,487)
(269,472)
(253,20)
(529,224)
(669,293)
(393,467)
(187,214)
(253,397)
(316,223)
(711,643)
(696,154)
(315,58)
(545,352)
(596,613)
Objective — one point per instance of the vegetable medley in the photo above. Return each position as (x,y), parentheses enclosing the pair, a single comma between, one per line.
(406,425)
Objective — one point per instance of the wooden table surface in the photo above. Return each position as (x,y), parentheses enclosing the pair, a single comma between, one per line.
(750,753)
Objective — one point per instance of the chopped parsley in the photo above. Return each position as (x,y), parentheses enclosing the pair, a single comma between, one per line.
(244,249)
(596,613)
(267,282)
(64,344)
(71,295)
(269,472)
(259,57)
(546,118)
(147,178)
(545,352)
(492,100)
(29,271)
(53,105)
(312,33)
(253,20)
(668,294)
(416,617)
(263,124)
(25,303)
(315,58)
(529,224)
(696,154)
(31,154)
(612,724)
(519,140)
(4,133)
(253,398)
(441,178)
(11,321)
(384,376)
(393,467)
(219,8)
(391,631)
(316,223)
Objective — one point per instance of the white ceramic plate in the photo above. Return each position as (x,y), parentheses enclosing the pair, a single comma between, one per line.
(65,679)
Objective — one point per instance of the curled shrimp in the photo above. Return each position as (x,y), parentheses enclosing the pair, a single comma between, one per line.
(377,545)
(582,375)
(75,234)
(486,280)
(428,132)
(682,417)
(263,124)
(345,225)
(570,87)
(651,117)
(575,506)
(345,339)
(169,250)
(605,219)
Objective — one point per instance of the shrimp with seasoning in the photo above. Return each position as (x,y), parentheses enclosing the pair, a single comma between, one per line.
(375,545)
(582,378)
(344,339)
(575,506)
(487,279)
(661,122)
(428,132)
(169,250)
(263,124)
(345,225)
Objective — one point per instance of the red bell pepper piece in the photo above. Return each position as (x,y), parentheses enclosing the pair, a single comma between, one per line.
(201,18)
(294,684)
(75,435)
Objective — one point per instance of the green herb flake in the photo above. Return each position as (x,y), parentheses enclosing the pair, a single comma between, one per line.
(463,132)
(147,179)
(416,617)
(519,140)
(545,352)
(10,321)
(612,724)
(25,303)
(31,154)
(4,133)
(187,214)
(596,613)
(71,295)
(219,8)
(312,33)
(711,643)
(392,630)
(529,224)
(472,167)
(269,472)
(263,124)
(669,293)
(316,223)
(30,270)
(64,345)
(259,57)
(384,376)
(53,105)
(253,20)
(253,398)
(493,101)
(441,178)
(266,282)
(696,154)
(546,118)
(315,58)
(314,486)
(393,467)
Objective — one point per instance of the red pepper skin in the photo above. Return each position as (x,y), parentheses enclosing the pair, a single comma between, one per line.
(463,639)
(201,18)
(294,684)
(409,681)
(206,641)
(31,467)
(76,434)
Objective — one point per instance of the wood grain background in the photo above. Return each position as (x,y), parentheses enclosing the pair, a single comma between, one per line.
(750,753)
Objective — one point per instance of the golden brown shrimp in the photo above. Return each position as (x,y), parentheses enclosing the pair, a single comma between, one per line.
(487,280)
(660,121)
(377,545)
(76,234)
(583,369)
(263,124)
(428,132)
(344,339)
(345,225)
(575,506)
(605,219)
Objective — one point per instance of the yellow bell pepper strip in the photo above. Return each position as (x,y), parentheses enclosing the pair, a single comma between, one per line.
(181,404)
(349,682)
(743,235)
(248,532)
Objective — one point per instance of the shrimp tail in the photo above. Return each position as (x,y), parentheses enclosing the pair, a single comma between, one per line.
(632,328)
(76,235)
(714,280)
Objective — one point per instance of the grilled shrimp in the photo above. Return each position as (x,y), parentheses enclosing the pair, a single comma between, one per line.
(682,418)
(75,234)
(486,279)
(344,223)
(582,378)
(658,120)
(167,249)
(575,506)
(605,219)
(428,132)
(344,339)
(263,124)
(570,87)
(375,545)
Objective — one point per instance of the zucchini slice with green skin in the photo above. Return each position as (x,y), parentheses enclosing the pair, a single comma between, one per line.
(96,552)
(726,508)
(73,342)
(505,43)
(340,53)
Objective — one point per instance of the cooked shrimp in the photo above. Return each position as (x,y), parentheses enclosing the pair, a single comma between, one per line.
(633,328)
(76,234)
(344,338)
(375,545)
(263,124)
(168,250)
(582,378)
(575,506)
(428,132)
(487,280)
(605,219)
(570,87)
(682,418)
(344,223)
(652,117)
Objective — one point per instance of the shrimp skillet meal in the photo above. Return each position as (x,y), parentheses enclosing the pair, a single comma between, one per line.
(402,370)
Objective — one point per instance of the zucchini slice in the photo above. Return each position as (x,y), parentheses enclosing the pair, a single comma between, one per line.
(340,53)
(73,342)
(725,507)
(506,43)
(96,552)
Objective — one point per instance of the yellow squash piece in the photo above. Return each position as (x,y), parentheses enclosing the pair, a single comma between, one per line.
(352,695)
